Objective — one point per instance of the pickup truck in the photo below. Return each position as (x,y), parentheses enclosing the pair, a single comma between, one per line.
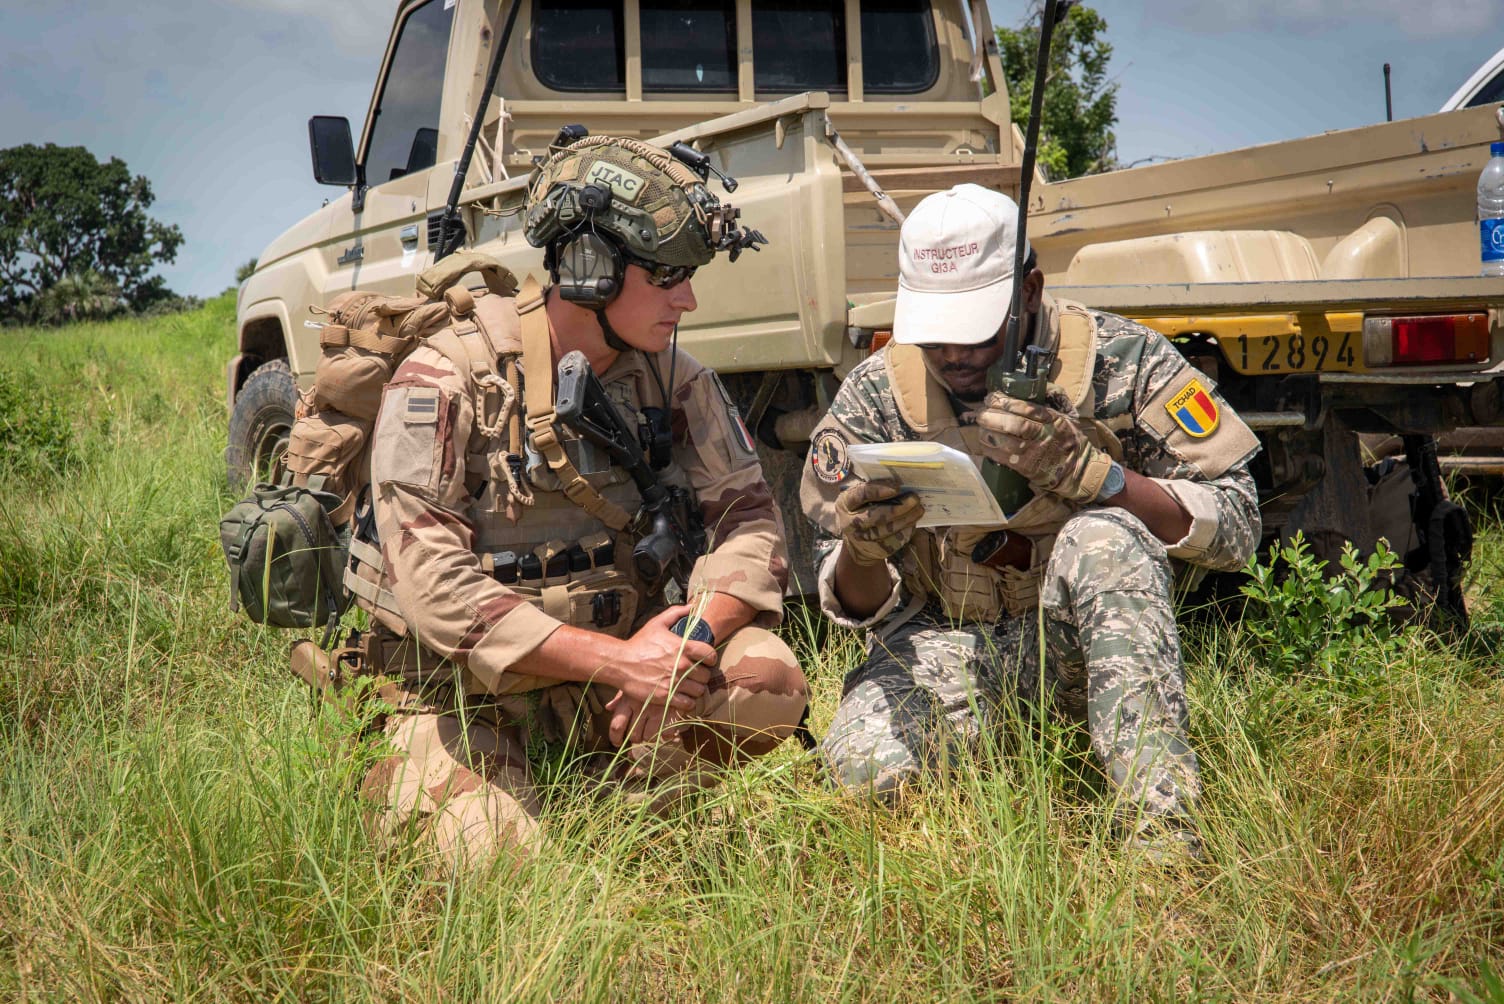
(1326,283)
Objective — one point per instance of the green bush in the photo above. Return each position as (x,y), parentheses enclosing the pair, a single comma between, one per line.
(1306,621)
(35,434)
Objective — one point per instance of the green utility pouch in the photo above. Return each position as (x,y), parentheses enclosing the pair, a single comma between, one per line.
(287,562)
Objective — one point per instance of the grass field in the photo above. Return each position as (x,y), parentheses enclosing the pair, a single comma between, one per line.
(176,823)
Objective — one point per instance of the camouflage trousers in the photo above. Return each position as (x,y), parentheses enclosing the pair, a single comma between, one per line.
(460,779)
(930,688)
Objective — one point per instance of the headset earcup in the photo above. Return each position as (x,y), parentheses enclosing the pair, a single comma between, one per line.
(589,271)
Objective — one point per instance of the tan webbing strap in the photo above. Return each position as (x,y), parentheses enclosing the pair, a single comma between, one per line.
(337,336)
(538,394)
(514,421)
(367,590)
(556,602)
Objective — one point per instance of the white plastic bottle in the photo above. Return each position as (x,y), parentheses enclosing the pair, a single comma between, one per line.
(1491,212)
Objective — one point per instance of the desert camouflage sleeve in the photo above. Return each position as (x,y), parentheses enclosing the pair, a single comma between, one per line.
(418,487)
(746,555)
(1206,473)
(863,411)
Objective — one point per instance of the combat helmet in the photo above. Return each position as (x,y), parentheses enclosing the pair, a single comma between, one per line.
(599,203)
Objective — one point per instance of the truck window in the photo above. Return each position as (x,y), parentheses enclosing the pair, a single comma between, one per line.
(688,45)
(577,45)
(691,45)
(1488,93)
(898,46)
(799,45)
(405,126)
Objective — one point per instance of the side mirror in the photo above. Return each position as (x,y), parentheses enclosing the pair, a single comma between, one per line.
(333,151)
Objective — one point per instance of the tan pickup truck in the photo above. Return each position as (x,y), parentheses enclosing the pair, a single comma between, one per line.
(1325,283)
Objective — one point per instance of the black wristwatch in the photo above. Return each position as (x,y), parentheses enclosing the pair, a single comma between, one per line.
(701,630)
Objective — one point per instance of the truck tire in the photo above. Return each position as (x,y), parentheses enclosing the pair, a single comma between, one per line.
(260,423)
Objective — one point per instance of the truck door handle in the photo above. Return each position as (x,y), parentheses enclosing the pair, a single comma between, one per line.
(409,235)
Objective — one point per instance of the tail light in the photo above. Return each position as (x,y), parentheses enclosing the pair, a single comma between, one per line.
(1432,340)
(879,339)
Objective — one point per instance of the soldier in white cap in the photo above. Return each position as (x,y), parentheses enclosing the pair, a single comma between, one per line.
(1138,471)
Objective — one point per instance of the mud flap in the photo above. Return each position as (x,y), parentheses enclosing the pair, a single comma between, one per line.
(1446,533)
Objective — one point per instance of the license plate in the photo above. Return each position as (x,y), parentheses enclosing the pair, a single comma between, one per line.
(1294,352)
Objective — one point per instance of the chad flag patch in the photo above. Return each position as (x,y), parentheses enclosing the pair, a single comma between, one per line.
(1194,410)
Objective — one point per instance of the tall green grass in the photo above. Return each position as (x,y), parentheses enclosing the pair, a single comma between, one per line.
(176,822)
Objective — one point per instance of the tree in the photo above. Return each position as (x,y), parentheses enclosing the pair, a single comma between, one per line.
(79,296)
(1080,104)
(63,213)
(244,271)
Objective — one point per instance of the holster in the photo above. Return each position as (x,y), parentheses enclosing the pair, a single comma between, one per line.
(331,675)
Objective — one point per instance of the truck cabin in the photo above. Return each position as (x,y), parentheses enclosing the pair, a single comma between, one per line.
(905,86)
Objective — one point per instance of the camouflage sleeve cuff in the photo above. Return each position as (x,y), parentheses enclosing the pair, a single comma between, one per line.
(735,576)
(1200,503)
(509,641)
(831,607)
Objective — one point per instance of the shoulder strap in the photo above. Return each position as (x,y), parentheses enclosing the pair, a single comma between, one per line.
(1075,350)
(921,400)
(538,396)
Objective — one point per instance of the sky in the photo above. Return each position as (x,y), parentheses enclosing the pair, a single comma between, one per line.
(210,101)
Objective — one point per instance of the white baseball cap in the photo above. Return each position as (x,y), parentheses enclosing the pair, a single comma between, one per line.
(955,267)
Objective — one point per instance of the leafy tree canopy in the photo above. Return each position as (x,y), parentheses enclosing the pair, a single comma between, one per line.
(63,213)
(1080,104)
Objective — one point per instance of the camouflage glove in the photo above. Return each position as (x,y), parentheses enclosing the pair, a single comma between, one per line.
(873,527)
(1043,445)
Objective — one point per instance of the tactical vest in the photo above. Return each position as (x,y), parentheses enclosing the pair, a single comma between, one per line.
(536,488)
(937,562)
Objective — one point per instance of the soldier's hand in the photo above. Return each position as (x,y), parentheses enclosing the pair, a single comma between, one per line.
(1043,445)
(659,667)
(633,723)
(875,521)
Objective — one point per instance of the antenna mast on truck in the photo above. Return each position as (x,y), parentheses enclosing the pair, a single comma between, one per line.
(451,227)
(1016,377)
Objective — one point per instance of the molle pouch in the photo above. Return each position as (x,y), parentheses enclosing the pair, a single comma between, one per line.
(1020,589)
(323,451)
(553,557)
(968,591)
(602,600)
(286,559)
(350,378)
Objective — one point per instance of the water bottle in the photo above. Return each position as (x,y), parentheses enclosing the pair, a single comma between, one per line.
(1491,211)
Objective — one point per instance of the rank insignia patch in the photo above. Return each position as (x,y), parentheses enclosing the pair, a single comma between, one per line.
(1193,410)
(827,457)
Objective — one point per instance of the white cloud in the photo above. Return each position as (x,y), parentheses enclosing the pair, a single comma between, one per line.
(354,26)
(1413,17)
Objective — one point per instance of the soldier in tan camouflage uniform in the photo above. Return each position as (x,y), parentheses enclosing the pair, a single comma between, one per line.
(1138,470)
(508,598)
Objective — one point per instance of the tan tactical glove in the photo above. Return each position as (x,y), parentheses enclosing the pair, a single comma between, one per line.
(1043,445)
(873,526)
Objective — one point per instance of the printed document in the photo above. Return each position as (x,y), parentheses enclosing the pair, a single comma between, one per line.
(945,479)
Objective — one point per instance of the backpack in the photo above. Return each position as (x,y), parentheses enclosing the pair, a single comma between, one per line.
(287,544)
(287,559)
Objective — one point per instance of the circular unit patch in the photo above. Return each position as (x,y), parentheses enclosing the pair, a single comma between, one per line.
(827,456)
